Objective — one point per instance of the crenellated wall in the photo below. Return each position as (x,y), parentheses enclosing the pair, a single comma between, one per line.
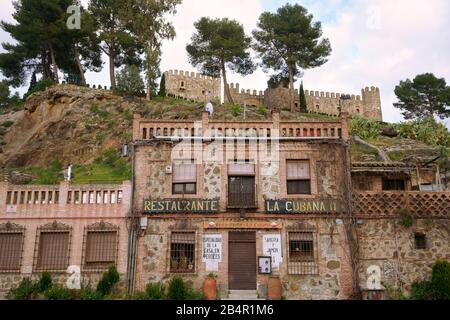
(368,104)
(193,86)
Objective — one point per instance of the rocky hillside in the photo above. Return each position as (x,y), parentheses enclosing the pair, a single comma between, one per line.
(75,124)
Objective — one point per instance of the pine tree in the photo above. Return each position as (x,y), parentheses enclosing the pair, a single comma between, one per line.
(219,44)
(162,86)
(303,106)
(288,40)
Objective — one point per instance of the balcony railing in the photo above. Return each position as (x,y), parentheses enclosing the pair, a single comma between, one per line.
(388,203)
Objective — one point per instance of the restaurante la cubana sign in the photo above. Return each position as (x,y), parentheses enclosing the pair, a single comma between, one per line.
(181,206)
(302,206)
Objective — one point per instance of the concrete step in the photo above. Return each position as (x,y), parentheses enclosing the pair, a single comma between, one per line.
(243,295)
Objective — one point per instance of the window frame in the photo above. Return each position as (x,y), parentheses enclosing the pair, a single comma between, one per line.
(194,252)
(288,180)
(420,241)
(98,228)
(54,227)
(12,228)
(184,183)
(310,264)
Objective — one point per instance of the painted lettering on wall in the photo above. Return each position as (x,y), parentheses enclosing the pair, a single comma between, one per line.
(212,251)
(272,248)
(302,206)
(181,206)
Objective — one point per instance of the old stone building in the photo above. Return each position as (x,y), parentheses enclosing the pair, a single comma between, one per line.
(192,86)
(66,229)
(261,189)
(368,104)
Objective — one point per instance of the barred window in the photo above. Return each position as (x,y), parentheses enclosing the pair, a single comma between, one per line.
(101,249)
(301,253)
(53,251)
(11,244)
(182,252)
(298,177)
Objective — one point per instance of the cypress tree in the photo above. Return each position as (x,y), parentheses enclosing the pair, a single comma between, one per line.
(303,106)
(162,86)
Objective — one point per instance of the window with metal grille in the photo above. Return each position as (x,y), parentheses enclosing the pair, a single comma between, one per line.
(302,258)
(298,177)
(11,244)
(100,249)
(420,242)
(184,180)
(53,251)
(182,252)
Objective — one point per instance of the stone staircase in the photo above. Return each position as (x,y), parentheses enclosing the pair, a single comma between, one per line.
(242,295)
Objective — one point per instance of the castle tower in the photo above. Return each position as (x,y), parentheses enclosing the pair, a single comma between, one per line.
(193,86)
(372,103)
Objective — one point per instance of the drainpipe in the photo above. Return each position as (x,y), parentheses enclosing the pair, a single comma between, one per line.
(132,235)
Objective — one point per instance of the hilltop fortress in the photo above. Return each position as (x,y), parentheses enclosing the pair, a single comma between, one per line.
(195,86)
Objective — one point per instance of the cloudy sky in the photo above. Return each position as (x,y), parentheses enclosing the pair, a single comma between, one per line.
(374,42)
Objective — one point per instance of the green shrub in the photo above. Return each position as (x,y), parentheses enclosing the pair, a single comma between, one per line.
(236,110)
(26,290)
(58,293)
(191,294)
(108,281)
(262,110)
(7,124)
(90,294)
(40,86)
(177,289)
(154,291)
(95,108)
(365,128)
(440,280)
(425,130)
(45,282)
(421,290)
(406,218)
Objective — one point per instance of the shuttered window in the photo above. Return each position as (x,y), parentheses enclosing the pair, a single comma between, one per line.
(182,252)
(10,251)
(184,180)
(53,252)
(298,177)
(101,249)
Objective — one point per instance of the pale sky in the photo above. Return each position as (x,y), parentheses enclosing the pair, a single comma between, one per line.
(374,42)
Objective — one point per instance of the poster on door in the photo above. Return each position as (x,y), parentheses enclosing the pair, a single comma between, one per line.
(212,251)
(272,248)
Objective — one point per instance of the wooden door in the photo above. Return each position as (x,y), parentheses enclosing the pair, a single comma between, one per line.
(242,261)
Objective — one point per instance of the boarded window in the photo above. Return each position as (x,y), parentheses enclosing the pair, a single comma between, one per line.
(182,252)
(298,177)
(101,249)
(10,251)
(301,253)
(53,252)
(184,180)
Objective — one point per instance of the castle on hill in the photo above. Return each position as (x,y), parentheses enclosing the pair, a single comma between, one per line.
(194,86)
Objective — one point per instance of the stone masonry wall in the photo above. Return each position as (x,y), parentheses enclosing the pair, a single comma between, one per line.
(193,86)
(387,244)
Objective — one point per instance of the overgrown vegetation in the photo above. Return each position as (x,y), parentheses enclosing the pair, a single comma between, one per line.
(406,218)
(438,288)
(179,290)
(426,130)
(44,288)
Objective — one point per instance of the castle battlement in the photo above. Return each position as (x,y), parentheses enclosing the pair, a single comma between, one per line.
(189,74)
(234,88)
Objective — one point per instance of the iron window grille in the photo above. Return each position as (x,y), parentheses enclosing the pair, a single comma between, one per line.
(11,247)
(420,242)
(52,249)
(302,255)
(100,246)
(182,252)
